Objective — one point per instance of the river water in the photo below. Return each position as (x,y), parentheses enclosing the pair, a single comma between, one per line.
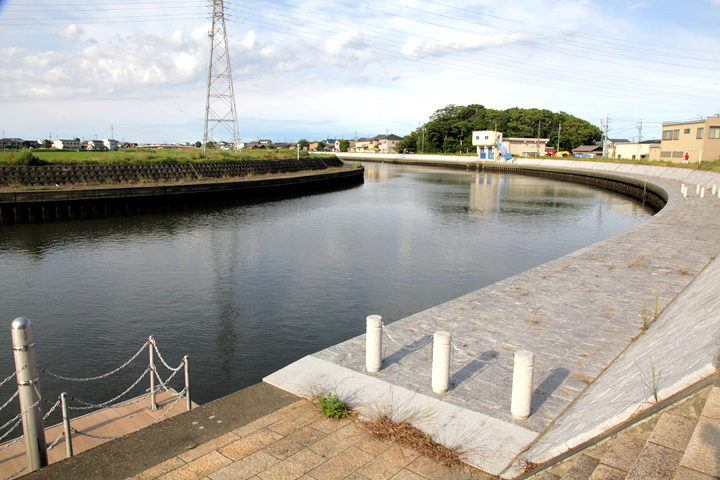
(246,289)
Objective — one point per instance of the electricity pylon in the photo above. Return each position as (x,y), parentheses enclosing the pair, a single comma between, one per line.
(220,105)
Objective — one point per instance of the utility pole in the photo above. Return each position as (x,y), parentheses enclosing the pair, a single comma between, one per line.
(112,132)
(605,139)
(423,141)
(639,139)
(558,145)
(537,145)
(220,104)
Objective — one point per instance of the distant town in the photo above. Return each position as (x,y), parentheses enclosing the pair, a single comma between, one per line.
(682,142)
(377,144)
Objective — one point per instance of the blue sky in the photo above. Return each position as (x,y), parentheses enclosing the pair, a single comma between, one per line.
(336,68)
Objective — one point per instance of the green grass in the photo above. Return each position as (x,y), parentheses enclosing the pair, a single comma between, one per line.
(142,156)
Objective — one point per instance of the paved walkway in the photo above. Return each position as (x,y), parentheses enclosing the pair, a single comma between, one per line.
(297,442)
(681,442)
(579,314)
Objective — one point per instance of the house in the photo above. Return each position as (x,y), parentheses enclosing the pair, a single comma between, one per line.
(633,150)
(699,139)
(67,144)
(11,143)
(386,143)
(591,151)
(486,143)
(94,145)
(110,144)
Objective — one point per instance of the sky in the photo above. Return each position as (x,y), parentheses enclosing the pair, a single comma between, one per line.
(316,69)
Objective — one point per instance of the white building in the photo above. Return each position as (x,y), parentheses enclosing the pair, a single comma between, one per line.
(67,144)
(110,144)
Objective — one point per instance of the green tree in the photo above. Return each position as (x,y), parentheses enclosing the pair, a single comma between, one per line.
(303,144)
(198,144)
(344,145)
(450,129)
(320,147)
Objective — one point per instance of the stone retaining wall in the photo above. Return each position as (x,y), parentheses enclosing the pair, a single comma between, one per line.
(61,175)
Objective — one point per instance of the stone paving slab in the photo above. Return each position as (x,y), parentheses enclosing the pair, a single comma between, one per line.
(578,314)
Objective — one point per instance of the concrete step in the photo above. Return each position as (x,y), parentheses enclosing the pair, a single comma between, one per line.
(680,442)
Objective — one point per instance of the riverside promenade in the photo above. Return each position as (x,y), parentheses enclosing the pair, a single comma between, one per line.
(589,317)
(601,354)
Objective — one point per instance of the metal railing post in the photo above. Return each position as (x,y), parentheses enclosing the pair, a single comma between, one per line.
(66,425)
(28,383)
(153,404)
(187,382)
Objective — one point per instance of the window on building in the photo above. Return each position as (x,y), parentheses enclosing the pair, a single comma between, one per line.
(676,134)
(700,132)
(686,131)
(667,135)
(714,132)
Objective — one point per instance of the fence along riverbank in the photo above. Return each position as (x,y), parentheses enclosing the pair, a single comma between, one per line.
(108,421)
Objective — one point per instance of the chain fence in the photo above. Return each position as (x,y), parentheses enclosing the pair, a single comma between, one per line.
(14,422)
(455,349)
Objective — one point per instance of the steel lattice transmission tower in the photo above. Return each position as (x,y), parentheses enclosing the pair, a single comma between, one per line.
(220,105)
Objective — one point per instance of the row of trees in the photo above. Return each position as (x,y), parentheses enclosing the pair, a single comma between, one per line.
(450,129)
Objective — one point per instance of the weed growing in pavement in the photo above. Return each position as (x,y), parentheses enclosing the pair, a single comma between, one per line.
(651,381)
(331,406)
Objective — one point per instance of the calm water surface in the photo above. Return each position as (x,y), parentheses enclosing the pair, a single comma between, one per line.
(245,290)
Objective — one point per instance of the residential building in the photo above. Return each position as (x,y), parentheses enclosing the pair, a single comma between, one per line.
(60,144)
(110,144)
(386,143)
(94,145)
(486,143)
(11,143)
(634,150)
(591,151)
(699,139)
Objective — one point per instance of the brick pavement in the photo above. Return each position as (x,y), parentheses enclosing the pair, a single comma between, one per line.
(297,442)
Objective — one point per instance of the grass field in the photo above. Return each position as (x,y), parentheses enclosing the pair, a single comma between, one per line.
(143,156)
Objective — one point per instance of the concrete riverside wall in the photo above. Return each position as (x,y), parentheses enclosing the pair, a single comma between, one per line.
(40,204)
(593,332)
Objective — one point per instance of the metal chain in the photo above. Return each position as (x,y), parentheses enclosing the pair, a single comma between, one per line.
(52,408)
(19,421)
(12,442)
(105,404)
(52,445)
(16,473)
(10,399)
(165,387)
(163,360)
(179,396)
(98,377)
(11,376)
(463,354)
(402,346)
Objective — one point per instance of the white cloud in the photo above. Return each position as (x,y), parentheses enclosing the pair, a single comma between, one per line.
(71,34)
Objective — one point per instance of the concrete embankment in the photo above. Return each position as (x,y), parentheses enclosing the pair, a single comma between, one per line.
(162,186)
(615,327)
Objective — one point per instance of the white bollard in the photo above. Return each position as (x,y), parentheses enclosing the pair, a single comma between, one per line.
(441,362)
(702,192)
(714,189)
(373,343)
(697,189)
(28,382)
(522,384)
(682,188)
